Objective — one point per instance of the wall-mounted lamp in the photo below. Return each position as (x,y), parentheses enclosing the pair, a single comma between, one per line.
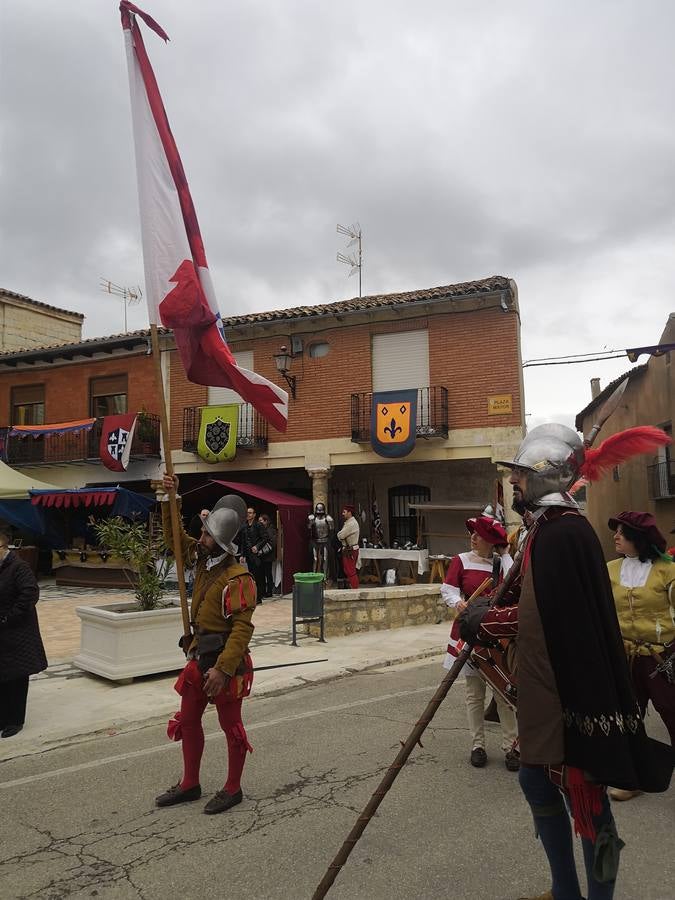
(283,360)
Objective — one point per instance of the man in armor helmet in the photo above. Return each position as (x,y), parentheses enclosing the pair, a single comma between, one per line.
(219,668)
(579,722)
(320,526)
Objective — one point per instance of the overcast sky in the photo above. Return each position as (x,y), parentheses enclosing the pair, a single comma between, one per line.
(533,139)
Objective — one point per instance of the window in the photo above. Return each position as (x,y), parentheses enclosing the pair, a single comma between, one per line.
(403,519)
(108,395)
(28,405)
(318,350)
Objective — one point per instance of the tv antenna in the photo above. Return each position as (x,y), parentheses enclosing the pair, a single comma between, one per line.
(354,259)
(130,296)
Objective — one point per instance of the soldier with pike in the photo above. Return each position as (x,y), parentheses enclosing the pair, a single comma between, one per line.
(579,722)
(219,669)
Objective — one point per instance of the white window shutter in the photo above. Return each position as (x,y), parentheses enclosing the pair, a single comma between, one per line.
(401,360)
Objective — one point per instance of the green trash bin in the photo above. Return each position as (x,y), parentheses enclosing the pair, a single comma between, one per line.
(308,598)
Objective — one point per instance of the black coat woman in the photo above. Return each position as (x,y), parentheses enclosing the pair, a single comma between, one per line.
(21,651)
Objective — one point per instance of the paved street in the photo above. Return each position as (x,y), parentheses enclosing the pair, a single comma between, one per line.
(79,821)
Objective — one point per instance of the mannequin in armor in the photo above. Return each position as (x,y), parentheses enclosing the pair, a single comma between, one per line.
(320,526)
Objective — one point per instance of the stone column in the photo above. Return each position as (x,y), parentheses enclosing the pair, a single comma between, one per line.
(319,476)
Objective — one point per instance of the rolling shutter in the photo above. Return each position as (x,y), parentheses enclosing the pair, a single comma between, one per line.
(219,395)
(401,360)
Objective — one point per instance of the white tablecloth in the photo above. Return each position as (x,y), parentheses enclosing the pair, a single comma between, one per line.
(421,557)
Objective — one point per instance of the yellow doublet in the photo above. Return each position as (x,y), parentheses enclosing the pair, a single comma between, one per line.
(223,599)
(646,614)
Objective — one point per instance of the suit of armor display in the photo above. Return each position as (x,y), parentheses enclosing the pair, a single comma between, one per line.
(320,526)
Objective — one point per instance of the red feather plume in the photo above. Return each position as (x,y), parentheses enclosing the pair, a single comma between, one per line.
(622,446)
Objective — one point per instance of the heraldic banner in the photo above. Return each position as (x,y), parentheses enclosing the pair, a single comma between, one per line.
(218,433)
(393,421)
(117,434)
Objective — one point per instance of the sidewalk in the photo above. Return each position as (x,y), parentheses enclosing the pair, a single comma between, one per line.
(66,705)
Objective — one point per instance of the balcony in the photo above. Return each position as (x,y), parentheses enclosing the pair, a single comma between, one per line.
(251,430)
(75,447)
(661,477)
(432,414)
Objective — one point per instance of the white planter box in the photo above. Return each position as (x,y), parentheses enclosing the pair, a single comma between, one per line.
(120,643)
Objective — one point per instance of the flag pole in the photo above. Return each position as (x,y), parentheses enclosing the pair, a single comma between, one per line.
(176,527)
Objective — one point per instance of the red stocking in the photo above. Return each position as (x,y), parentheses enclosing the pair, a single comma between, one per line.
(192,706)
(229,716)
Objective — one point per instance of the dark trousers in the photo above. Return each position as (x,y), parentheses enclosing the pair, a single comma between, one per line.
(552,823)
(256,569)
(658,690)
(13,696)
(267,567)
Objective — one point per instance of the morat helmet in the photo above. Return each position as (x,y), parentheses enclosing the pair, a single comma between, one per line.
(552,455)
(225,520)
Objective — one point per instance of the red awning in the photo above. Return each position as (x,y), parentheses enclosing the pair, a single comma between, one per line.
(269,495)
(66,499)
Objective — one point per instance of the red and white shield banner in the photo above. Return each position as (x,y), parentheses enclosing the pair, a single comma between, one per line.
(116,437)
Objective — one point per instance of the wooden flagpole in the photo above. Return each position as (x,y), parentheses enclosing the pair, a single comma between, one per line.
(176,527)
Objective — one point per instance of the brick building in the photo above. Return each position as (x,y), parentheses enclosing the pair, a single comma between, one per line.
(458,345)
(29,323)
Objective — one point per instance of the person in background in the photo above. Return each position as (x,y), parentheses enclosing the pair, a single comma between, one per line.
(466,573)
(250,539)
(268,553)
(21,650)
(642,584)
(349,541)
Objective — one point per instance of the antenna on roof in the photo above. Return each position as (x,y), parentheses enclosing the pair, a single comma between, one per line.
(130,296)
(355,260)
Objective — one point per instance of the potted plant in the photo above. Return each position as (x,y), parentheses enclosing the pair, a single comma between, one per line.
(123,640)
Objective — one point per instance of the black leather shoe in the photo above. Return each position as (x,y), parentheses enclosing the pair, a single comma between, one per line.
(10,730)
(176,795)
(222,801)
(478,757)
(512,761)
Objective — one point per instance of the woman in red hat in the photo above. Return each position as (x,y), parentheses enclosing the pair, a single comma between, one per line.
(466,573)
(642,583)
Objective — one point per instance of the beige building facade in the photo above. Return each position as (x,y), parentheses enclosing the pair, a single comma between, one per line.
(646,483)
(28,323)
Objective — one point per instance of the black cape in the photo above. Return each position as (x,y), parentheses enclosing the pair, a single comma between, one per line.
(603,729)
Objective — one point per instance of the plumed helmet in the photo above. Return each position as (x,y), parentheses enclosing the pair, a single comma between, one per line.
(552,455)
(225,520)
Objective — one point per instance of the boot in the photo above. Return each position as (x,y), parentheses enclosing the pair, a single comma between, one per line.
(547,896)
(620,794)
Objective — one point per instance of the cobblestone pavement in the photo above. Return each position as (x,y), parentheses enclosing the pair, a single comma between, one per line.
(60,624)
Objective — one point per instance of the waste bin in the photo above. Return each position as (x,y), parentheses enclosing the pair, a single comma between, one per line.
(308,599)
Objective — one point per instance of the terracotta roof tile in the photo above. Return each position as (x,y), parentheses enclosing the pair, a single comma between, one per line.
(604,394)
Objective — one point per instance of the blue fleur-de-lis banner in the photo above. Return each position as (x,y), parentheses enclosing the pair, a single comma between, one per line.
(393,422)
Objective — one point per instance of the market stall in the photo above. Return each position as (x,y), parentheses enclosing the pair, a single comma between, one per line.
(77,560)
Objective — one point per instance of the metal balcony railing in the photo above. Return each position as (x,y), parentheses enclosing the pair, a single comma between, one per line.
(251,429)
(432,414)
(75,447)
(661,477)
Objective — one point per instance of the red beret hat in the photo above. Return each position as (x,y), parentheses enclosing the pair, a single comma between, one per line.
(489,529)
(349,507)
(643,522)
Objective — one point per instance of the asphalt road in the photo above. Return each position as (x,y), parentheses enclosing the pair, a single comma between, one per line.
(79,822)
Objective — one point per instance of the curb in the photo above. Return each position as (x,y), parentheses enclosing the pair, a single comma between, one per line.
(298,683)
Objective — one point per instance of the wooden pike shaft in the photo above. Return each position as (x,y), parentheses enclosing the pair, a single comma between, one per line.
(394,769)
(176,527)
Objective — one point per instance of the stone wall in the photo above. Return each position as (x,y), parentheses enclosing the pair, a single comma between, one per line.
(376,609)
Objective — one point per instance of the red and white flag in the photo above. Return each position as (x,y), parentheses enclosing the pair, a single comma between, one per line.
(117,434)
(178,284)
